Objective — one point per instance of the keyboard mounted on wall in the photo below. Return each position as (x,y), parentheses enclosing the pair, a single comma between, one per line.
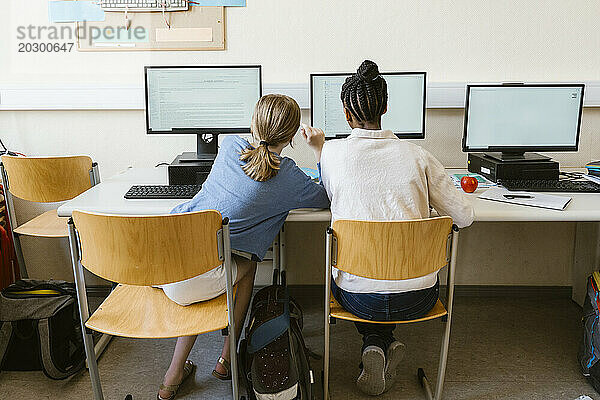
(144,5)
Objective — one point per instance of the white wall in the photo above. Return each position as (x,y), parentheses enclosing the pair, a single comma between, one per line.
(452,40)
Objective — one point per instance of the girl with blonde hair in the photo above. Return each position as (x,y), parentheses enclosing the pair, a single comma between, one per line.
(255,187)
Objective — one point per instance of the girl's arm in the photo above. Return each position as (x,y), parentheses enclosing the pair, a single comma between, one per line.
(309,194)
(443,195)
(315,138)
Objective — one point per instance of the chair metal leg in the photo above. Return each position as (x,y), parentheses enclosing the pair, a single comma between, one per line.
(450,307)
(230,307)
(276,257)
(84,314)
(439,388)
(443,361)
(101,345)
(424,383)
(234,364)
(282,248)
(326,361)
(328,240)
(92,364)
(20,258)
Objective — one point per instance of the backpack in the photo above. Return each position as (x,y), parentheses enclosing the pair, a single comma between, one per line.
(589,352)
(274,360)
(39,328)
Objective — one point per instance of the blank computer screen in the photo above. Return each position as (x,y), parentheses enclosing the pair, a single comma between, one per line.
(522,116)
(201,97)
(406,104)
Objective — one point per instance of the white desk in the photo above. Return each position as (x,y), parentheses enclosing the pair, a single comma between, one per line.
(107,197)
(583,207)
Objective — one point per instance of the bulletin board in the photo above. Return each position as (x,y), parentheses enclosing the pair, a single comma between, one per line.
(199,28)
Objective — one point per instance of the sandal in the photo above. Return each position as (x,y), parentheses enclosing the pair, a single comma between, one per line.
(188,368)
(225,364)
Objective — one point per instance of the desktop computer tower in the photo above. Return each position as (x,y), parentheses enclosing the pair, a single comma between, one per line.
(494,169)
(188,172)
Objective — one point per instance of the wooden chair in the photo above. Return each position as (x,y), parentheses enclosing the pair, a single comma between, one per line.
(139,252)
(394,250)
(44,180)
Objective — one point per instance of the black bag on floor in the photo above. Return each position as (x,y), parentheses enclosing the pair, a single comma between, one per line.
(274,359)
(40,328)
(589,353)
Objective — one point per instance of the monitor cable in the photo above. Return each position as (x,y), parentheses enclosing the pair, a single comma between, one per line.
(8,152)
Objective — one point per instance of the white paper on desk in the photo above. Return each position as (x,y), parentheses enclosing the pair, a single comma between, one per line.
(538,199)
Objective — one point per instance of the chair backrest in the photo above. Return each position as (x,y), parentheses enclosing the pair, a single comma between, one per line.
(392,250)
(149,250)
(48,179)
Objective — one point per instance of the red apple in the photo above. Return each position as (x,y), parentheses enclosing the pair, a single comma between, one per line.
(468,184)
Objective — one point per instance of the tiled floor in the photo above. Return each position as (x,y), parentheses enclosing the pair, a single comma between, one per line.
(501,348)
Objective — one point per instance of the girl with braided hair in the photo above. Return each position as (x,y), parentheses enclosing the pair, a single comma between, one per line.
(374,175)
(364,96)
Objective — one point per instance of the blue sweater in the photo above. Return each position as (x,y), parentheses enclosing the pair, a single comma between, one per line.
(256,210)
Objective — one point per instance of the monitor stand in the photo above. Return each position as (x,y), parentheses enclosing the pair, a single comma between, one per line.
(206,149)
(517,156)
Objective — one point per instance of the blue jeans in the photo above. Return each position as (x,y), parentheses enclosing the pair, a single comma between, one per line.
(385,307)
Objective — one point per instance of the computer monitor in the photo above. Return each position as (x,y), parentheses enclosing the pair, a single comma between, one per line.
(406,104)
(518,118)
(204,100)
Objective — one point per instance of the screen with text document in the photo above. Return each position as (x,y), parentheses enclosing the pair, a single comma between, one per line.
(405,110)
(201,98)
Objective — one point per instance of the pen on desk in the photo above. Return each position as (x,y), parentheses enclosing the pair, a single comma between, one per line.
(518,196)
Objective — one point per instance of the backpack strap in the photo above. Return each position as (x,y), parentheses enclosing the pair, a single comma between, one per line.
(5,334)
(270,330)
(300,355)
(50,368)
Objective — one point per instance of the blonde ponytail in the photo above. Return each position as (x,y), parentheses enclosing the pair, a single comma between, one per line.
(261,165)
(275,120)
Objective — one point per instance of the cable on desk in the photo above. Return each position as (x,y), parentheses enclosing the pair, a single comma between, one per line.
(571,176)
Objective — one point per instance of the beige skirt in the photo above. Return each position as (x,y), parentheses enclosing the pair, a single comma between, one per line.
(203,287)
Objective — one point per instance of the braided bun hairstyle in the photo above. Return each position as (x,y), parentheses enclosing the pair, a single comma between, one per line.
(364,94)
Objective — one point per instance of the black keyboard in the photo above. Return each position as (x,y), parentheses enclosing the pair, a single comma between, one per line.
(551,186)
(162,191)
